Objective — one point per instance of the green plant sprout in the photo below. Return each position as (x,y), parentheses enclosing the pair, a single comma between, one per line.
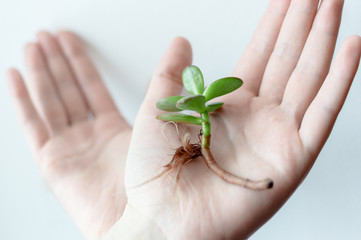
(193,83)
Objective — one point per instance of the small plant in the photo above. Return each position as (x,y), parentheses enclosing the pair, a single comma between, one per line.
(194,84)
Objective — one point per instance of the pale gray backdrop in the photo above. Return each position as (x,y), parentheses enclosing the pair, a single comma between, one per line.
(126,39)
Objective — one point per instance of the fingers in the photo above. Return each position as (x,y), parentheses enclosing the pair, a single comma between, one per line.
(64,83)
(89,80)
(63,78)
(43,91)
(167,78)
(252,64)
(322,113)
(288,48)
(315,59)
(33,126)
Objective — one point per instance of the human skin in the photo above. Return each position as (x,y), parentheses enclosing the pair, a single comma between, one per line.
(81,160)
(274,126)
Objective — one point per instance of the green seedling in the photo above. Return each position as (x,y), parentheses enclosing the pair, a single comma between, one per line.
(193,82)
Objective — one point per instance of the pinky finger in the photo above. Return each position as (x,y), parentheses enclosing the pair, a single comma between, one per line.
(33,126)
(322,113)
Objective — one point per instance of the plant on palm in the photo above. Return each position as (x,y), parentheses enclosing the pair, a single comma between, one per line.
(193,82)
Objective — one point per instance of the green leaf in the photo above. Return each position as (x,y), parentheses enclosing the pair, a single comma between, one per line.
(180,118)
(193,103)
(221,87)
(214,106)
(169,104)
(193,80)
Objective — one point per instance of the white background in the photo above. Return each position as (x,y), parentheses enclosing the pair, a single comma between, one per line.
(126,39)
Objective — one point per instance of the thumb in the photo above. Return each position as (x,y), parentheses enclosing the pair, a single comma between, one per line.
(167,78)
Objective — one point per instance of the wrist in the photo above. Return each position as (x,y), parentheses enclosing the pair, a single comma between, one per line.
(134,225)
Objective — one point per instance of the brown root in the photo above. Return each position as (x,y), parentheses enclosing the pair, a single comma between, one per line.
(233,179)
(182,156)
(190,151)
(185,154)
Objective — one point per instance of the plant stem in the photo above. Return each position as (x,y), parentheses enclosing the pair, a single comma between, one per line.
(206,130)
(218,170)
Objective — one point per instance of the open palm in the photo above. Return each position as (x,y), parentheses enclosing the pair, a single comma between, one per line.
(274,126)
(82,157)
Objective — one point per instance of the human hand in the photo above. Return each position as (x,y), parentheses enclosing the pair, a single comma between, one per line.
(274,126)
(81,157)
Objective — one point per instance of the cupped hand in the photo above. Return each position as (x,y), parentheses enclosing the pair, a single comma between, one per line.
(76,133)
(274,126)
